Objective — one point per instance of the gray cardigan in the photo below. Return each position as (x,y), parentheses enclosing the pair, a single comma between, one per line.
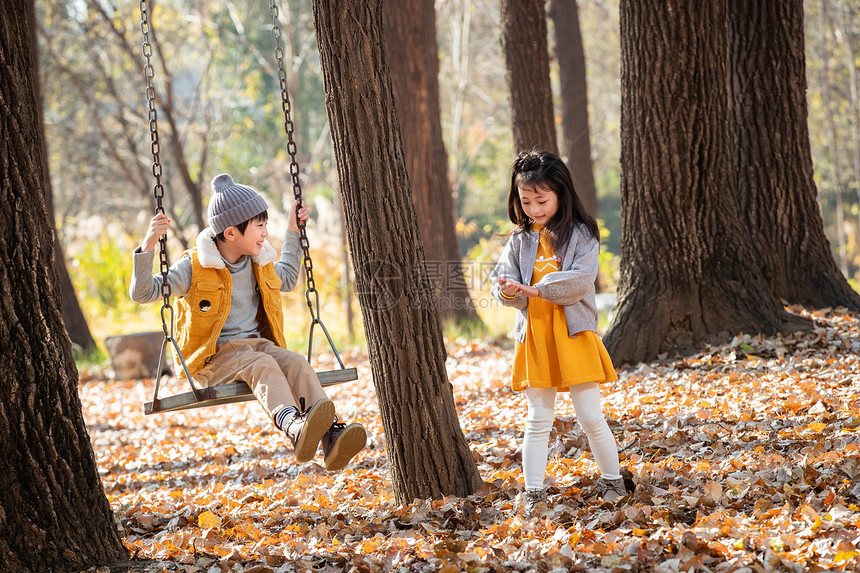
(572,286)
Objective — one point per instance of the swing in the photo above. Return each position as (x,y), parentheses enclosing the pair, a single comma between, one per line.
(237,391)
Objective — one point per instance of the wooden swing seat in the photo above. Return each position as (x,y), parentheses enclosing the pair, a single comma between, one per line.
(231,393)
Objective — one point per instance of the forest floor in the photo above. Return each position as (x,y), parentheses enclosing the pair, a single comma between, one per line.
(745,457)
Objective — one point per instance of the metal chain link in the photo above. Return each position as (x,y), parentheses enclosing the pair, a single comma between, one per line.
(158,192)
(294,165)
(158,189)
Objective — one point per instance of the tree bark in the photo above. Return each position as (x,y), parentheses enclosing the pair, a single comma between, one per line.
(575,134)
(73,316)
(53,511)
(427,451)
(773,157)
(688,273)
(410,37)
(524,43)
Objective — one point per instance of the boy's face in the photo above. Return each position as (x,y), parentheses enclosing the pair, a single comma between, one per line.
(251,242)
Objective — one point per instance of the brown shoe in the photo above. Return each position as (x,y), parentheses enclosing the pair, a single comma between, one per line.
(611,489)
(341,443)
(535,502)
(306,429)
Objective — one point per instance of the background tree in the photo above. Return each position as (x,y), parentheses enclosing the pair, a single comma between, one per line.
(214,78)
(688,273)
(846,15)
(95,91)
(73,316)
(427,451)
(53,512)
(772,154)
(93,187)
(410,37)
(524,43)
(575,134)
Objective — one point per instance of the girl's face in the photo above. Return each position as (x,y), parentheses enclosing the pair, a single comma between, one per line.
(539,203)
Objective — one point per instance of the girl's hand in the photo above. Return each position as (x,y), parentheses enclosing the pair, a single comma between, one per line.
(511,288)
(157,227)
(530,291)
(304,214)
(508,287)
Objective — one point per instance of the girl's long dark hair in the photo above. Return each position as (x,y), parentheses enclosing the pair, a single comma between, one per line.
(536,168)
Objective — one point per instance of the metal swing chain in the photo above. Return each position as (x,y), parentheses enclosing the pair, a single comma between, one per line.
(158,189)
(294,165)
(311,291)
(158,192)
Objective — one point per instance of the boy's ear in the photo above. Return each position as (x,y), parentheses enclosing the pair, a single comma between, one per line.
(230,233)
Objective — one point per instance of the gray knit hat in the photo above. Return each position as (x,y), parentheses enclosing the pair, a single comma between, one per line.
(232,203)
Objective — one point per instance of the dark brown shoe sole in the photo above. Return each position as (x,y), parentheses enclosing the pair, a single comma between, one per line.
(350,442)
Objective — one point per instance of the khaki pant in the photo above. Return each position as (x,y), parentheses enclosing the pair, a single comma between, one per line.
(278,377)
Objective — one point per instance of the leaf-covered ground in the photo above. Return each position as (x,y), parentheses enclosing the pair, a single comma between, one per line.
(745,458)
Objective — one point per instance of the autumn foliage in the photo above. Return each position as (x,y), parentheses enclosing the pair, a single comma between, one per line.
(745,458)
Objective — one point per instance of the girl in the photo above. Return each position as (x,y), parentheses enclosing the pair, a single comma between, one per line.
(547,271)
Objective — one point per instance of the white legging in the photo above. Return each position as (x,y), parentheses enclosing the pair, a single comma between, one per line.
(589,414)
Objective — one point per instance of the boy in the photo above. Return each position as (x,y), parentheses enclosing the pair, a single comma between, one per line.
(229,320)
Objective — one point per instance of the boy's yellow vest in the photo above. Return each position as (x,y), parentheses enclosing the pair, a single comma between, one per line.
(202,312)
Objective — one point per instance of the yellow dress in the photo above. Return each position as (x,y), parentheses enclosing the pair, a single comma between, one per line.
(549,357)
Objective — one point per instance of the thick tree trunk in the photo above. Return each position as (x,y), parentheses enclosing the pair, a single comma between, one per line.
(73,316)
(427,451)
(688,274)
(524,43)
(410,37)
(575,135)
(773,156)
(53,512)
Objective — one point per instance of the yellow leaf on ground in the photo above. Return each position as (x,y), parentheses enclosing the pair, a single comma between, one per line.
(208,520)
(845,556)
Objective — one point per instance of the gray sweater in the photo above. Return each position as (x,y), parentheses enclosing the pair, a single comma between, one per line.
(245,300)
(572,286)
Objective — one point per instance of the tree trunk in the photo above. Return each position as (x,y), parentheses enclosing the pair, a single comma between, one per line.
(833,150)
(410,37)
(524,43)
(73,316)
(575,138)
(845,18)
(688,274)
(346,266)
(427,451)
(773,157)
(53,511)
